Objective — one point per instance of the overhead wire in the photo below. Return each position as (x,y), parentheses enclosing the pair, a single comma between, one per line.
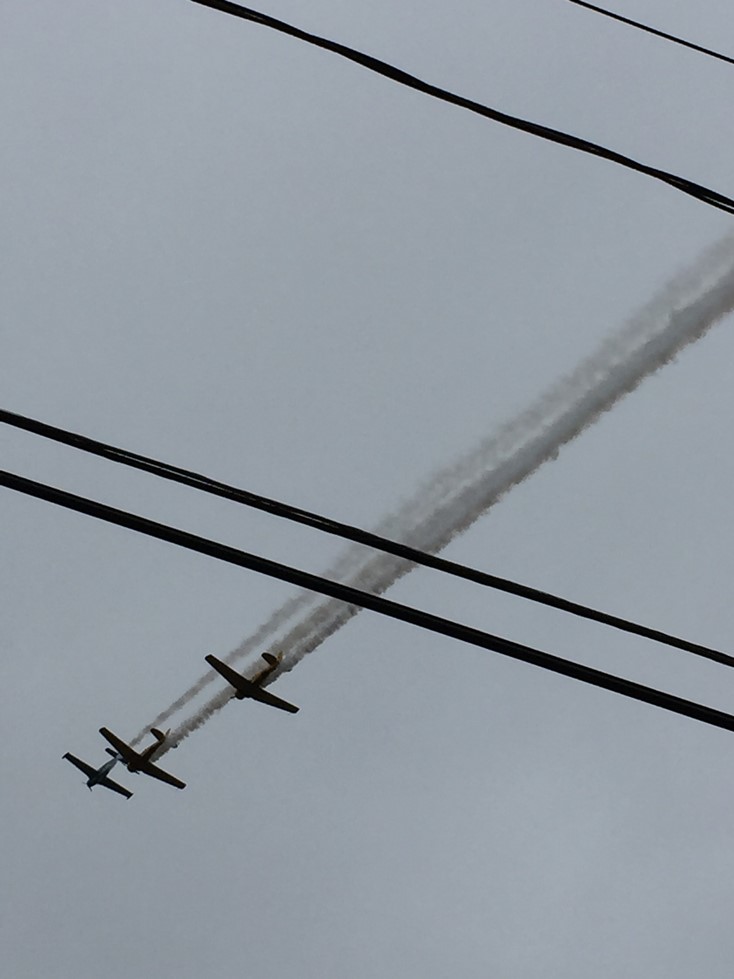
(383,606)
(700,192)
(346,531)
(653,30)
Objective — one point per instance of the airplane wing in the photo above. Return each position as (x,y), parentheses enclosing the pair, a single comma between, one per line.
(81,765)
(230,675)
(265,697)
(246,688)
(128,754)
(109,784)
(155,772)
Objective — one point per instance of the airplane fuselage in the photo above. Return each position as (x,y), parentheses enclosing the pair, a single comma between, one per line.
(264,673)
(101,773)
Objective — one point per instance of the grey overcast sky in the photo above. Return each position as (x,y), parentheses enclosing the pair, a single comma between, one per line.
(247,257)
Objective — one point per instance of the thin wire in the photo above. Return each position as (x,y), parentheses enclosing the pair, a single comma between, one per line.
(654,30)
(205,484)
(353,596)
(705,194)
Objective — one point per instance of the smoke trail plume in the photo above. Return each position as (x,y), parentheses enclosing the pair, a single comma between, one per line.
(459,494)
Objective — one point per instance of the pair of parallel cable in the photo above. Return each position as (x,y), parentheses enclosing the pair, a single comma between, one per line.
(343,592)
(348,594)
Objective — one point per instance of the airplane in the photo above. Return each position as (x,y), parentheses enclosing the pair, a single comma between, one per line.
(147,755)
(140,761)
(98,776)
(253,688)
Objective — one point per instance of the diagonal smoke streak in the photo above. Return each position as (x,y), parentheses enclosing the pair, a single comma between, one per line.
(266,630)
(347,563)
(459,494)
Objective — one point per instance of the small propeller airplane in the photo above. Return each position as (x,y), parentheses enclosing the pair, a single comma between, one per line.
(99,776)
(141,761)
(253,688)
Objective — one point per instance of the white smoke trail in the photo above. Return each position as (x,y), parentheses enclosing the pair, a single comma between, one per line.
(347,563)
(459,494)
(396,525)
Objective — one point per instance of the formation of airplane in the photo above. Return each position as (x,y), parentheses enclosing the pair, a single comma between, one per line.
(143,761)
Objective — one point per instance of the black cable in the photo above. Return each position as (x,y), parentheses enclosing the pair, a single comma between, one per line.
(705,194)
(207,485)
(361,599)
(654,30)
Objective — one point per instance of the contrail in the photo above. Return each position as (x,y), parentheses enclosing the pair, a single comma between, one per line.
(458,495)
(346,564)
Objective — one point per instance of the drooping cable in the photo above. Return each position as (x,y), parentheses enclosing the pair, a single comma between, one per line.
(353,596)
(705,194)
(347,532)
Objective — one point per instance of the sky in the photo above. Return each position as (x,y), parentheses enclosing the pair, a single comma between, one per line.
(246,257)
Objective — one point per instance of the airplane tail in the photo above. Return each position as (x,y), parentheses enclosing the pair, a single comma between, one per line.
(161,736)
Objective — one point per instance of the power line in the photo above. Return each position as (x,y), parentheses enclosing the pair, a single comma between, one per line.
(705,194)
(353,596)
(346,531)
(654,30)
